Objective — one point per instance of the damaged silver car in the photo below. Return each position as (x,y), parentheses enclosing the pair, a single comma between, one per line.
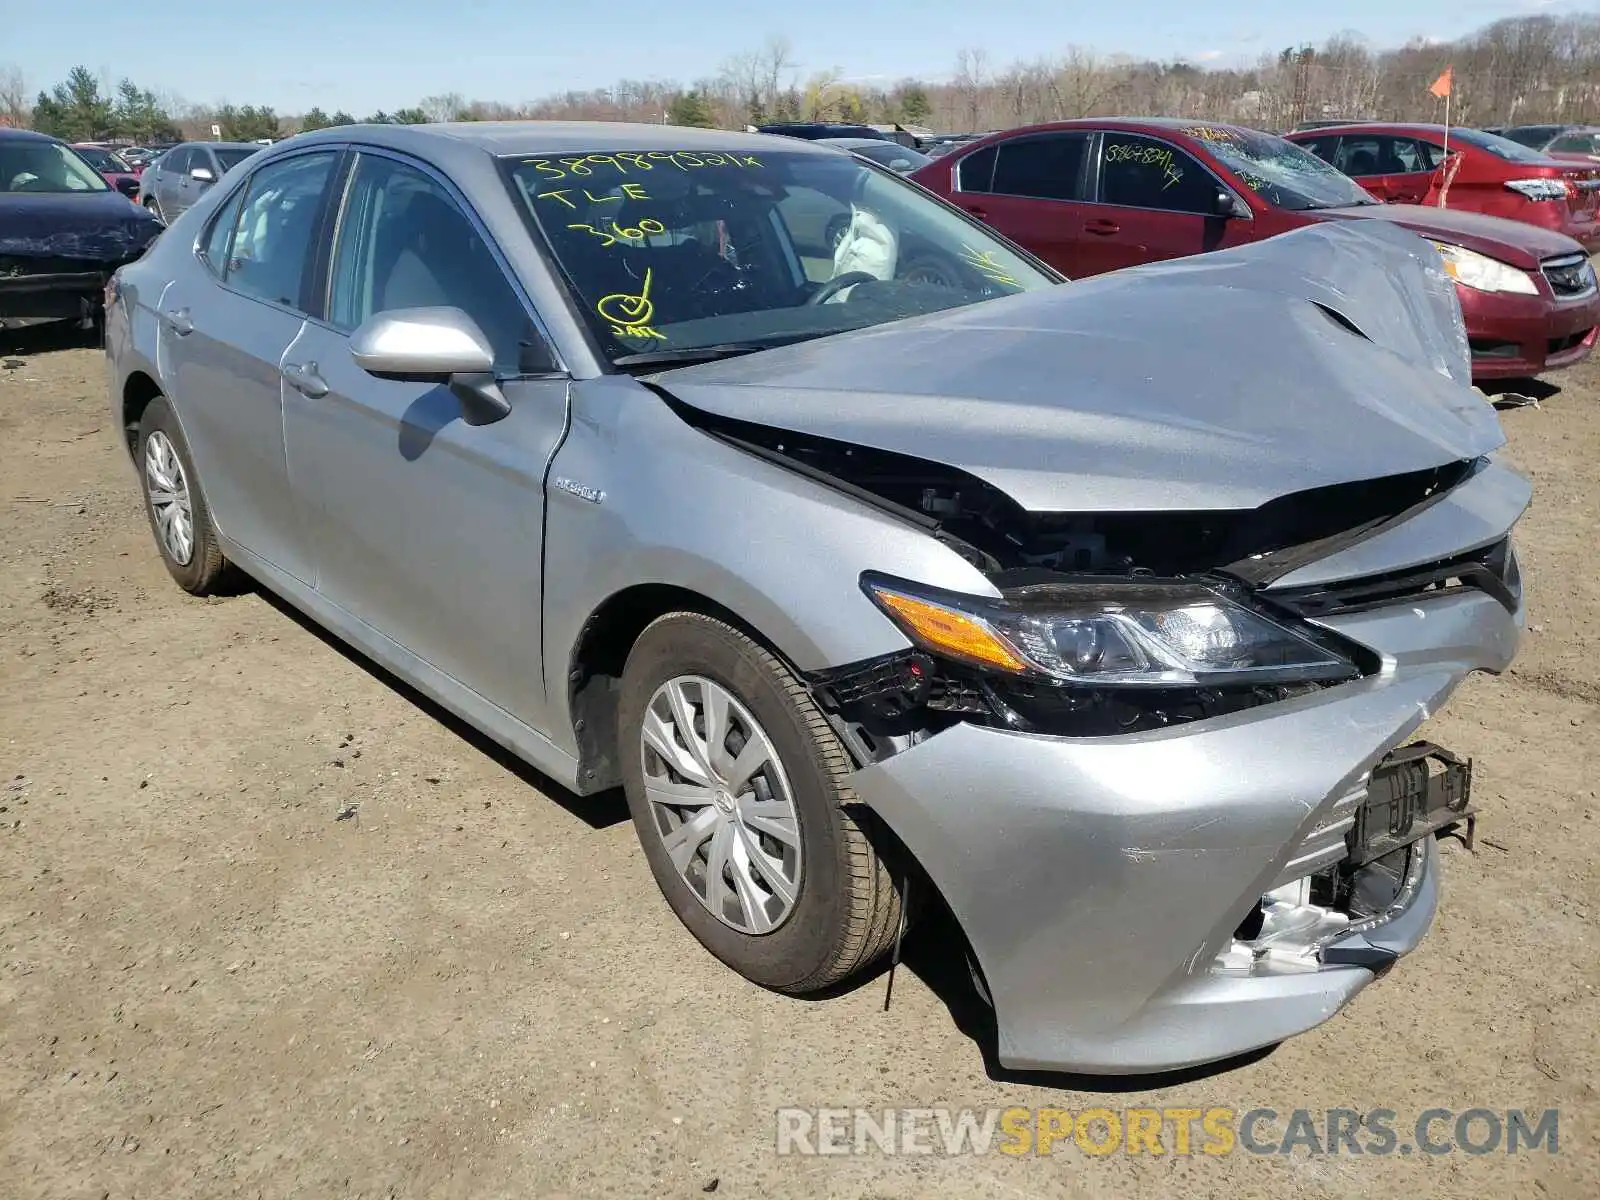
(874,562)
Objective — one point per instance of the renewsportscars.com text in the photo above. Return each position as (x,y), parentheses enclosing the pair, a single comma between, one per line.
(1212,1131)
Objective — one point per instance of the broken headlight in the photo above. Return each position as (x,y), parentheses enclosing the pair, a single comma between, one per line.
(1121,633)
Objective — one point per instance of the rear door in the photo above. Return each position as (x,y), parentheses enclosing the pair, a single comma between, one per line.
(1031,189)
(226,324)
(1153,201)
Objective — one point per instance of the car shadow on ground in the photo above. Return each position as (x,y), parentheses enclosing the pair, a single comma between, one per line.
(600,811)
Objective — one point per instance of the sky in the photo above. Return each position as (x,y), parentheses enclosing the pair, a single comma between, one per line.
(361,55)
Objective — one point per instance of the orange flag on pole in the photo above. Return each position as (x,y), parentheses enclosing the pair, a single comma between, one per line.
(1441,86)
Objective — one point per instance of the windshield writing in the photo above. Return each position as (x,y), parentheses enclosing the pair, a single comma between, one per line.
(676,249)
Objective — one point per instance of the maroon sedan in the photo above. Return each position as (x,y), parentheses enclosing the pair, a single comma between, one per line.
(111,166)
(1095,195)
(1489,174)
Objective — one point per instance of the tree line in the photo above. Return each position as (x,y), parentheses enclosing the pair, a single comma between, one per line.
(1518,70)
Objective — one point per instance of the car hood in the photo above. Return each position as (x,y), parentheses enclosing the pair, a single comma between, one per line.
(1515,242)
(104,226)
(1215,382)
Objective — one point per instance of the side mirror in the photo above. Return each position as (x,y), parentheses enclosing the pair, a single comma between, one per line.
(1229,205)
(434,345)
(202,175)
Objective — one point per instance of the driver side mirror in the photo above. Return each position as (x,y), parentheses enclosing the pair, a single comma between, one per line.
(1228,205)
(202,175)
(434,345)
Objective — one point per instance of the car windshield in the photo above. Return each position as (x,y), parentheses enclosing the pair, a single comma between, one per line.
(39,166)
(102,160)
(678,255)
(231,157)
(1536,136)
(1280,172)
(1500,147)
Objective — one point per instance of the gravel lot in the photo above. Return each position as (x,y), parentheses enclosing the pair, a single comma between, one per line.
(270,926)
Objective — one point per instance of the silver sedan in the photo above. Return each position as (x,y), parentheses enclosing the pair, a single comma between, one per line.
(874,562)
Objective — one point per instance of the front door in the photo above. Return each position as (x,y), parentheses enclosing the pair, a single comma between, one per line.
(224,333)
(425,528)
(1154,201)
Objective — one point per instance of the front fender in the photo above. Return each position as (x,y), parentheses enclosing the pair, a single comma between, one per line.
(637,496)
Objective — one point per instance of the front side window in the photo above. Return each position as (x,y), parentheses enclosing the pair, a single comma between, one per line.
(272,238)
(1141,172)
(1281,172)
(177,162)
(1047,167)
(405,243)
(676,251)
(27,165)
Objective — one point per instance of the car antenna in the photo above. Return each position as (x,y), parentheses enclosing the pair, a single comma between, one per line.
(899,936)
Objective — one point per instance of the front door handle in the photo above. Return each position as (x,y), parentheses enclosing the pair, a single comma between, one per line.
(1102,227)
(980,213)
(304,379)
(178,319)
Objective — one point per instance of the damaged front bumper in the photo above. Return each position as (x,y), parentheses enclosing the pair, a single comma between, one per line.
(1106,884)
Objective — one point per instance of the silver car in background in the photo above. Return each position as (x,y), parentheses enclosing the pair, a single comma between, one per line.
(176,180)
(877,569)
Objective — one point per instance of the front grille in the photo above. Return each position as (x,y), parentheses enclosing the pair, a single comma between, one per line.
(1492,570)
(1570,276)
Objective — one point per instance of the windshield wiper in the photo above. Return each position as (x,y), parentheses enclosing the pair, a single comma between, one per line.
(687,354)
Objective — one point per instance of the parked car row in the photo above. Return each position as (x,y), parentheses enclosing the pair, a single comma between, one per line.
(1093,196)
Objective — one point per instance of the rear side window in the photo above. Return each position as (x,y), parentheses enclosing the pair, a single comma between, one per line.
(975,172)
(1577,143)
(1041,168)
(272,236)
(1141,172)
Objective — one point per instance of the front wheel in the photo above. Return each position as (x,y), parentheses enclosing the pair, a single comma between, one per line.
(739,792)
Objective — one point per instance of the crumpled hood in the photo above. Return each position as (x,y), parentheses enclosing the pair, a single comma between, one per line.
(1515,242)
(104,226)
(1212,382)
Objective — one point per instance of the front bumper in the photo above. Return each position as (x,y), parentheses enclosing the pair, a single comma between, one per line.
(61,295)
(1100,881)
(1515,337)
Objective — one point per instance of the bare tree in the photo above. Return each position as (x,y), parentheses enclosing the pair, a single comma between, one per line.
(15,108)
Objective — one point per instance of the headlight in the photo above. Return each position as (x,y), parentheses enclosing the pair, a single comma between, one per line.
(1114,633)
(1482,273)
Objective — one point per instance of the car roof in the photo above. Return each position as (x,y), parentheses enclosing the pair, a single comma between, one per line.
(219,145)
(513,138)
(25,135)
(860,143)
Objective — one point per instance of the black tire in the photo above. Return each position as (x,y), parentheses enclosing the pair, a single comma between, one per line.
(848,903)
(207,569)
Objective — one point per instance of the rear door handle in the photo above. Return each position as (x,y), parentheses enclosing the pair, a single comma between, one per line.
(1102,227)
(980,213)
(304,379)
(178,319)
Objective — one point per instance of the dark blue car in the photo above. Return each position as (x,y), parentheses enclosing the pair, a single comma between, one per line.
(63,230)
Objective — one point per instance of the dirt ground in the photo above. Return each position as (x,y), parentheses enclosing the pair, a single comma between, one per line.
(272,927)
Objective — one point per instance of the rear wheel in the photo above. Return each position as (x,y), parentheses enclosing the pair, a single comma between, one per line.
(173,502)
(739,792)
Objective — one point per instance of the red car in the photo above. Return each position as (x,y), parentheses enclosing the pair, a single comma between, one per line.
(1495,175)
(1093,195)
(111,166)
